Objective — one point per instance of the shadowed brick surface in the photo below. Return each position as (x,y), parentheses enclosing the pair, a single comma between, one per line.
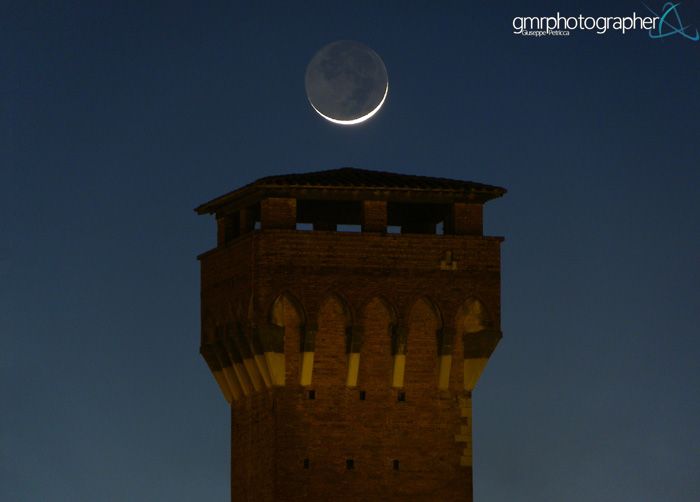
(338,292)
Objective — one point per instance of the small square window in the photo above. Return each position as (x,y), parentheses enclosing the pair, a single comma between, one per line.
(311,394)
(350,464)
(396,465)
(306,463)
(402,396)
(363,395)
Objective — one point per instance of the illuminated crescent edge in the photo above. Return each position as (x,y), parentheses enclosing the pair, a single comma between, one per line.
(357,120)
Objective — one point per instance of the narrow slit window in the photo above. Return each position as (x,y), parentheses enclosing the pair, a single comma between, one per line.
(307,463)
(311,394)
(401,397)
(396,465)
(350,464)
(363,395)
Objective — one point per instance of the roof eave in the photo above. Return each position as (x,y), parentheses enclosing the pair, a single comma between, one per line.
(252,193)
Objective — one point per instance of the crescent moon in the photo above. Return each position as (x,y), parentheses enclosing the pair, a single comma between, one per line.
(346,82)
(357,120)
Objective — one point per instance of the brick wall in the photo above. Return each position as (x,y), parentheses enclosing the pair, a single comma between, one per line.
(369,281)
(253,441)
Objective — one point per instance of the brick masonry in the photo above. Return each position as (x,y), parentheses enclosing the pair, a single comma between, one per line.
(326,285)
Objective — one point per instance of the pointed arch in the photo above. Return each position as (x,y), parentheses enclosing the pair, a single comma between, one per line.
(283,306)
(430,304)
(333,322)
(211,351)
(475,339)
(339,301)
(377,319)
(424,328)
(472,316)
(281,339)
(389,307)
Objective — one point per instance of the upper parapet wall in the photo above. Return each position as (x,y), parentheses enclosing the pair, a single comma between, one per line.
(370,201)
(353,184)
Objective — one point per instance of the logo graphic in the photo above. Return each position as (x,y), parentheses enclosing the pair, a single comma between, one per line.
(563,25)
(666,29)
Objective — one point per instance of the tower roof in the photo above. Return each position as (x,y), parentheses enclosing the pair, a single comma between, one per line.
(349,183)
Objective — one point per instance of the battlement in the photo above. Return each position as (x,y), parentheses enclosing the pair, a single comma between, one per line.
(352,199)
(347,316)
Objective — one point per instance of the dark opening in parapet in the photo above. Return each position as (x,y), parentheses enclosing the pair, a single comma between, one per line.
(328,214)
(417,218)
(346,216)
(391,217)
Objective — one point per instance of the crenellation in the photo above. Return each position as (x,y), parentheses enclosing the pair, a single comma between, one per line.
(365,346)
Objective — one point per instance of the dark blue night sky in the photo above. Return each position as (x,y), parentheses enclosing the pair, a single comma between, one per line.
(117,119)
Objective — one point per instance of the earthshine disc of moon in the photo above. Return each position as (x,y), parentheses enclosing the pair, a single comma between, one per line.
(346,82)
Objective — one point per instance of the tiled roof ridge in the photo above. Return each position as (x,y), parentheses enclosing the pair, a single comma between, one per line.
(366,178)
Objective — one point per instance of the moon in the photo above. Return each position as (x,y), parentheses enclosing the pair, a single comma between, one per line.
(346,82)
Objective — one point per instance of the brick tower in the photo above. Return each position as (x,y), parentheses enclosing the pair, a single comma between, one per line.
(346,317)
